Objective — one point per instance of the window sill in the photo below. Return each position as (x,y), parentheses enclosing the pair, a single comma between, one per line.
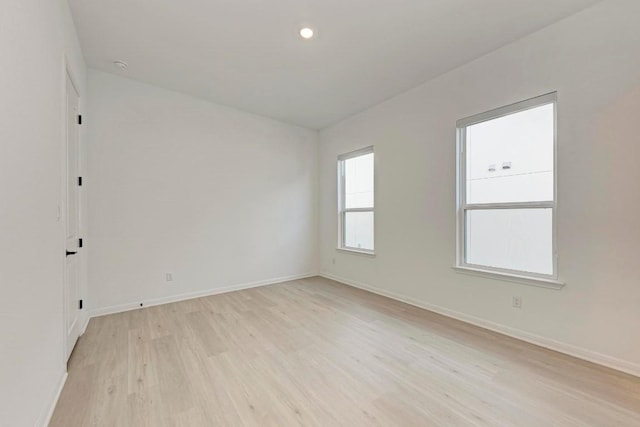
(526,280)
(370,254)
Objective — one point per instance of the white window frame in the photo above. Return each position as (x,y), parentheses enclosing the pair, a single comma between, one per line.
(342,210)
(545,280)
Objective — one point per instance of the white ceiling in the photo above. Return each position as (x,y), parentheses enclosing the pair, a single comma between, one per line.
(247,53)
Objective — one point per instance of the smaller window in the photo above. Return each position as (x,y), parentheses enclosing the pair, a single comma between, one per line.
(355,200)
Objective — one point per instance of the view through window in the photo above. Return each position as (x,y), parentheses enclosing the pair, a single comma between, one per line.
(356,176)
(507,189)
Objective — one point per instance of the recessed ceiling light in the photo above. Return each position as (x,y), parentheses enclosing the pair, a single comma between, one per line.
(121,65)
(306,33)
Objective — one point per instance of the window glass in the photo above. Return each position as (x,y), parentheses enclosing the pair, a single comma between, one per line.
(359,181)
(355,200)
(513,239)
(506,193)
(358,230)
(510,158)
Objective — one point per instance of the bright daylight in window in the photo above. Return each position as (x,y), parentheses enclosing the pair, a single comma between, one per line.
(506,193)
(355,200)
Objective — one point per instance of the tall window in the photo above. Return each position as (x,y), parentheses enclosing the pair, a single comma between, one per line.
(355,200)
(507,191)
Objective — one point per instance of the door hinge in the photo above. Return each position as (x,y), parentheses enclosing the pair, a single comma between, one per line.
(79,119)
(80,304)
(79,181)
(79,243)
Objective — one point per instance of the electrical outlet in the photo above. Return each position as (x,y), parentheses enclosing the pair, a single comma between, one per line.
(169,277)
(516,302)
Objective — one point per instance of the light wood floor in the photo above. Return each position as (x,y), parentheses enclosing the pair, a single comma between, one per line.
(315,352)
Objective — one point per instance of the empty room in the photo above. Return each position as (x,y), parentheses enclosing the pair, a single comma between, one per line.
(319,213)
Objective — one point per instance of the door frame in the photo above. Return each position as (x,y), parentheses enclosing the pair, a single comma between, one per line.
(68,70)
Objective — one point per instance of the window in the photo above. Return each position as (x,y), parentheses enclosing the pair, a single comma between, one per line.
(355,200)
(507,190)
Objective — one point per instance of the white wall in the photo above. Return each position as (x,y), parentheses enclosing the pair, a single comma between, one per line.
(34,36)
(215,196)
(591,60)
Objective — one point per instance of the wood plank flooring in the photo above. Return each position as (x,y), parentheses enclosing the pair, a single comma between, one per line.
(315,352)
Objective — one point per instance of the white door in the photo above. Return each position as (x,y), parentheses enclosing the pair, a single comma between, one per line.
(72,268)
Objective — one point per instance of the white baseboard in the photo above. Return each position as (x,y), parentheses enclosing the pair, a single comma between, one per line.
(191,295)
(45,418)
(571,350)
